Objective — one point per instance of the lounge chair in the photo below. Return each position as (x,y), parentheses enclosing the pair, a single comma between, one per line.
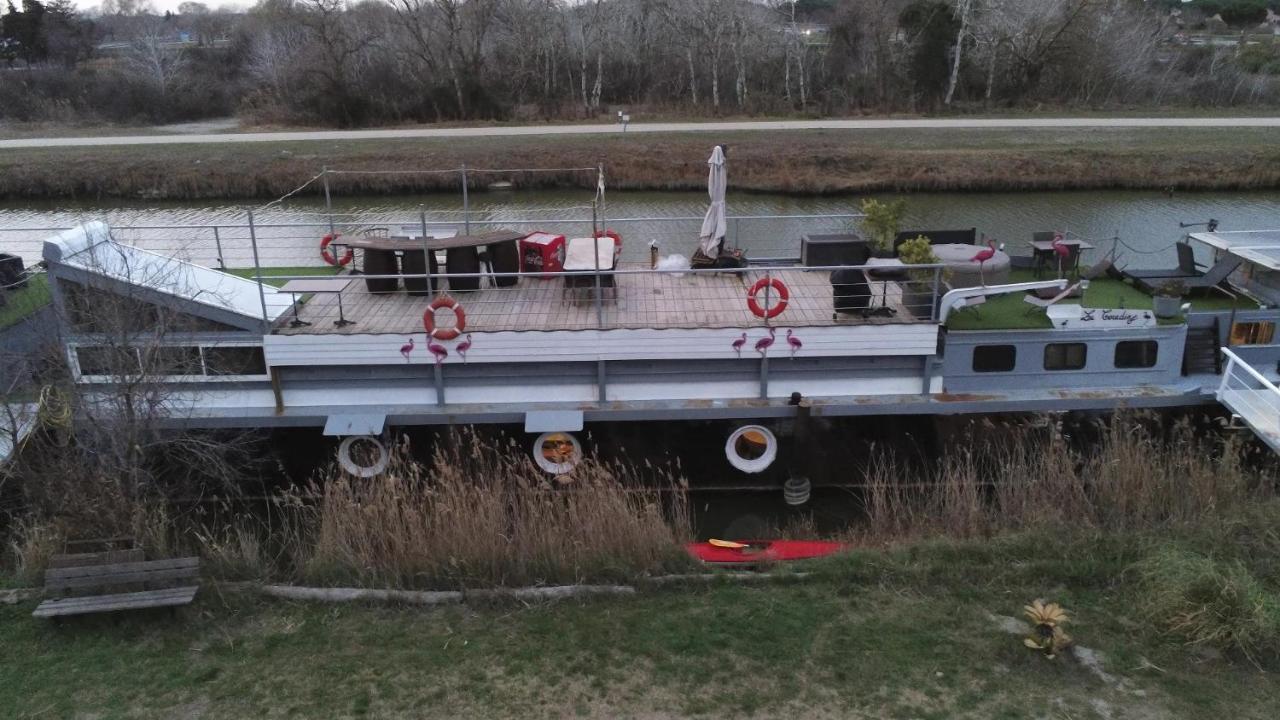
(1189,272)
(1038,303)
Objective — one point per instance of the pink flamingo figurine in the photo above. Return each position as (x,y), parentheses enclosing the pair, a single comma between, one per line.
(794,342)
(463,347)
(737,344)
(438,350)
(982,257)
(763,344)
(405,350)
(1062,251)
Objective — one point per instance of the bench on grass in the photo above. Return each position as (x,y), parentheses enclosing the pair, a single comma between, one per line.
(116,580)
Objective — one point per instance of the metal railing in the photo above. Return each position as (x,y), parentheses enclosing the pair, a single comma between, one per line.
(291,243)
(1252,397)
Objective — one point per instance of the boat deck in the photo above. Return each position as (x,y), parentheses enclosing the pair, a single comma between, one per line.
(640,300)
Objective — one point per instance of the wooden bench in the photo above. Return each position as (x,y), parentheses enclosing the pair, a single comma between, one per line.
(114,581)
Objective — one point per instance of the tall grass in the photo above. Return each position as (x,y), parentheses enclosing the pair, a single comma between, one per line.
(1138,474)
(479,513)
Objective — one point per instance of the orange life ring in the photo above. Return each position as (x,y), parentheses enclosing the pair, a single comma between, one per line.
(774,310)
(449,333)
(329,257)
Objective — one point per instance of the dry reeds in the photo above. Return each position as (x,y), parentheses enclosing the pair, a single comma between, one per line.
(480,513)
(1139,474)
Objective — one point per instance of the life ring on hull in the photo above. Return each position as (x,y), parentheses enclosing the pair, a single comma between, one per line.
(774,310)
(362,471)
(447,333)
(328,255)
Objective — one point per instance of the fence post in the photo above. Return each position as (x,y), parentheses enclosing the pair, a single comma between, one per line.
(257,273)
(426,253)
(328,201)
(933,300)
(466,203)
(217,240)
(764,356)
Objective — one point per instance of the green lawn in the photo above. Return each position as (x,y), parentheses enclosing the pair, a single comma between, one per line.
(1010,312)
(910,633)
(23,303)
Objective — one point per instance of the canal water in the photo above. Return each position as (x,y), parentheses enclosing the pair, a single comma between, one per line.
(1141,224)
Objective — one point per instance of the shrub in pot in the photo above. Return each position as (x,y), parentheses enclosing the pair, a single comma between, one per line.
(881,222)
(1167,302)
(917,292)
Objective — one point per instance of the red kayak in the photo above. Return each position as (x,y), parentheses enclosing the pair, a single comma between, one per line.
(752,552)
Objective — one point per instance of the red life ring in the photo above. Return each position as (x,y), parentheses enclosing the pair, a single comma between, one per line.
(329,257)
(449,333)
(774,310)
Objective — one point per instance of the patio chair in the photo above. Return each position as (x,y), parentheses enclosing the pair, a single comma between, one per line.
(1038,303)
(1192,274)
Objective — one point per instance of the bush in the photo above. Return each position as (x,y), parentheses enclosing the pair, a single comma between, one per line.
(1210,602)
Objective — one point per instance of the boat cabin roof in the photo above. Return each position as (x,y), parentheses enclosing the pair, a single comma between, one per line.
(1260,247)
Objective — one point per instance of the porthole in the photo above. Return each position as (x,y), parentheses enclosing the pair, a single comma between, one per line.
(367,450)
(557,452)
(751,448)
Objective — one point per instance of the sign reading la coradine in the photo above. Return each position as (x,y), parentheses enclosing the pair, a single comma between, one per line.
(1077,317)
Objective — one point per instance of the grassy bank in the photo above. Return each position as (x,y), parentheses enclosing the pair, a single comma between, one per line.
(816,161)
(926,630)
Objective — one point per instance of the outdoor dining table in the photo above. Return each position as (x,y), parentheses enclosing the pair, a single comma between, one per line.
(1042,254)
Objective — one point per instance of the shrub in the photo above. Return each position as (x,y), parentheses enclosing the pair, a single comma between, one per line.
(1210,602)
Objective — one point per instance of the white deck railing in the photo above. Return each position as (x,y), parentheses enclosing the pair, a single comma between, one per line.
(1253,398)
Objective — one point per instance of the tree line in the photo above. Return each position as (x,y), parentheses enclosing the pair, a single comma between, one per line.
(388,61)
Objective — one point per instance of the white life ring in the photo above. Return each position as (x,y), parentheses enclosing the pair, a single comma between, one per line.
(366,472)
(557,452)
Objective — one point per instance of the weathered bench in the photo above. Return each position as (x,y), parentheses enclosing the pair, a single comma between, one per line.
(126,582)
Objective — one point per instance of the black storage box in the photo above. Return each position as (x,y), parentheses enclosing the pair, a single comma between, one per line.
(13,274)
(833,250)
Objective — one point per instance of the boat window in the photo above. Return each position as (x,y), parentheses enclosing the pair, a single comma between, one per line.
(1252,333)
(235,361)
(1136,353)
(994,358)
(108,360)
(172,360)
(1065,356)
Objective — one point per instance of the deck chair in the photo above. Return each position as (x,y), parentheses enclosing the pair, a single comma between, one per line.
(1038,303)
(1189,272)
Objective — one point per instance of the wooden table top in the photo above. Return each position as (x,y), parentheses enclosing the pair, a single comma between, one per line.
(404,243)
(1047,245)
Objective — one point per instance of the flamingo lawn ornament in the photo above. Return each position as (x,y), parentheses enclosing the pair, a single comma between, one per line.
(982,257)
(763,344)
(794,342)
(438,350)
(406,350)
(1061,250)
(463,347)
(737,344)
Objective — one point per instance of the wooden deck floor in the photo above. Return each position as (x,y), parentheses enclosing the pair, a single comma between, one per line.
(640,300)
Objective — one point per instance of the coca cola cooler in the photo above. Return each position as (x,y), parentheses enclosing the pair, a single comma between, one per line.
(542,252)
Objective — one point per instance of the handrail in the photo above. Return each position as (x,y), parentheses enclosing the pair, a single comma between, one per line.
(1234,360)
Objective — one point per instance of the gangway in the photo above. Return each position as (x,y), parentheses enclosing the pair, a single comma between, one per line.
(1252,398)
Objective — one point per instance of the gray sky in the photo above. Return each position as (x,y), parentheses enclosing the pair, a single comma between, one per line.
(162,5)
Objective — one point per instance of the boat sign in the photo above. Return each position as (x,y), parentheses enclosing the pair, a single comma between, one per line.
(1078,317)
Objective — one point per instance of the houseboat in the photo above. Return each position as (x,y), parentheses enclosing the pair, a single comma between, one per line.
(436,324)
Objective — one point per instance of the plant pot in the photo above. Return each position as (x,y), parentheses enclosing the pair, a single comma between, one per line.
(1166,307)
(883,254)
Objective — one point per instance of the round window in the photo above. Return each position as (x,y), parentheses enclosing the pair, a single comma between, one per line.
(557,452)
(751,448)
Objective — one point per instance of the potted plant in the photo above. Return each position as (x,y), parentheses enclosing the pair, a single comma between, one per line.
(881,221)
(917,291)
(1167,302)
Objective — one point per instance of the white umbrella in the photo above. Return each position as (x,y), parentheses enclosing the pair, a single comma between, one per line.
(714,225)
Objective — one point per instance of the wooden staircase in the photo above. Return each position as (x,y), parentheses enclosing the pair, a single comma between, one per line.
(1202,353)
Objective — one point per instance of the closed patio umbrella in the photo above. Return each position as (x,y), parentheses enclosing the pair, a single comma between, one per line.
(714,225)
